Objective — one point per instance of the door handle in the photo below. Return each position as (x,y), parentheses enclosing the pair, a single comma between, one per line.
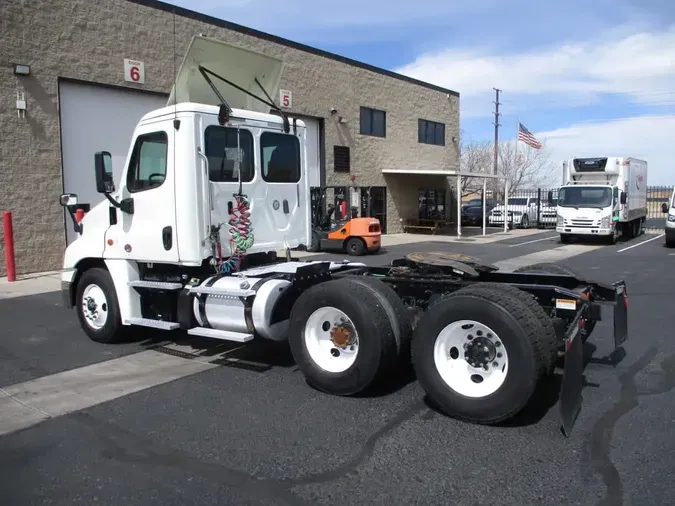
(286,208)
(167,237)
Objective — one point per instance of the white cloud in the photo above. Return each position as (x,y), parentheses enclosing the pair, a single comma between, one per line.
(647,137)
(636,64)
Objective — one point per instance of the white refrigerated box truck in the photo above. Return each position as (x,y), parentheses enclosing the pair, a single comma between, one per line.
(604,196)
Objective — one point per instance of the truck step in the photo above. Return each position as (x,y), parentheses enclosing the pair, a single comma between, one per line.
(157,285)
(225,335)
(209,290)
(149,322)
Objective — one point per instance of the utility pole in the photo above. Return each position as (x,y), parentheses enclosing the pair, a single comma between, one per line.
(496,123)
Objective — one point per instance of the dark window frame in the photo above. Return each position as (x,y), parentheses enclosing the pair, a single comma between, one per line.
(344,166)
(133,181)
(246,143)
(428,132)
(367,120)
(298,159)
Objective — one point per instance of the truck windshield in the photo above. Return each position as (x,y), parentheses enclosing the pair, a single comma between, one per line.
(580,196)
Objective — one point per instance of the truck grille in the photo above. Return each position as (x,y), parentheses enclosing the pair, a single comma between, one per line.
(582,223)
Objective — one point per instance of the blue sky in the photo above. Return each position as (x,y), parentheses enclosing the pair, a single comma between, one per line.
(590,78)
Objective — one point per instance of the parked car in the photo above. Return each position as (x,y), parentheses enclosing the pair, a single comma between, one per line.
(522,212)
(472,211)
(548,212)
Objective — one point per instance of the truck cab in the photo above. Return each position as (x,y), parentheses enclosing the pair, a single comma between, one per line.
(603,197)
(187,162)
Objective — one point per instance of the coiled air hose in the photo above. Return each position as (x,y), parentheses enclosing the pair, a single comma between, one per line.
(241,234)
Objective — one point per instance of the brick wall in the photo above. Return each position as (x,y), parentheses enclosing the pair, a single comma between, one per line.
(88,40)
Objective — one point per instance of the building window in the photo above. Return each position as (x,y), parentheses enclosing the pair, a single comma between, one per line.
(341,159)
(373,122)
(280,154)
(430,132)
(431,204)
(147,168)
(220,144)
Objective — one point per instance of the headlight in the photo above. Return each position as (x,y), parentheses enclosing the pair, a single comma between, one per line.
(560,221)
(605,222)
(671,217)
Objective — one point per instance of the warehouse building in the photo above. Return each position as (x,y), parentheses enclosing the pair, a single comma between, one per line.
(77,75)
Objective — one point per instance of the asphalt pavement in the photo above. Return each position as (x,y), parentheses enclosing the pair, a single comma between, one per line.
(250,431)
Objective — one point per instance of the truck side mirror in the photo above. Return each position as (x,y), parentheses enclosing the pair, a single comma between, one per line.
(623,198)
(104,173)
(664,208)
(550,196)
(70,200)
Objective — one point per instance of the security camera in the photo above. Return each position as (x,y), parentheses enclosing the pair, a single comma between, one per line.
(333,110)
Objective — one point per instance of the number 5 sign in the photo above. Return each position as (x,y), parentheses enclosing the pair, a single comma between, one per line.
(134,71)
(286,98)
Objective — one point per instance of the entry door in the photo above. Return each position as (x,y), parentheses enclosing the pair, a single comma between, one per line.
(149,234)
(374,204)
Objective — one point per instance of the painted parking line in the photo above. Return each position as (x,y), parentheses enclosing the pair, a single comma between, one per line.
(641,243)
(533,241)
(550,255)
(31,402)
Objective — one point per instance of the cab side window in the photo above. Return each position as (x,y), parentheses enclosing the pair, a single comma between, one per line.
(224,146)
(280,157)
(147,168)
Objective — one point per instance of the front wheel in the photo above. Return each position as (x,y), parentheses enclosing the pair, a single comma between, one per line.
(97,307)
(525,221)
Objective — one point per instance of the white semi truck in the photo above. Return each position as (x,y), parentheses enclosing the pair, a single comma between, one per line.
(605,196)
(214,185)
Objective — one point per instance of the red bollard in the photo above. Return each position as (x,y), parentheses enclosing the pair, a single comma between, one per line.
(79,214)
(9,246)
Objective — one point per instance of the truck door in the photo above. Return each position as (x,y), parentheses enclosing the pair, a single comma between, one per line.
(149,233)
(280,160)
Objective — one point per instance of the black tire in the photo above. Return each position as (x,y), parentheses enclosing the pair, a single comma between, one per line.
(519,329)
(525,221)
(565,238)
(551,268)
(377,348)
(399,316)
(112,330)
(315,245)
(355,246)
(670,242)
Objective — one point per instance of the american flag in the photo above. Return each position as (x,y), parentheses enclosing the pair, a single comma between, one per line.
(529,139)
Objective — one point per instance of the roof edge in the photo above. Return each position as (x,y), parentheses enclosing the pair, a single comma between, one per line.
(211,20)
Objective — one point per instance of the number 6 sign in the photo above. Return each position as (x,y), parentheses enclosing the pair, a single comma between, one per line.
(286,99)
(134,71)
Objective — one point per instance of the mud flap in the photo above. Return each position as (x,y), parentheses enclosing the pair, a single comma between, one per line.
(573,379)
(620,315)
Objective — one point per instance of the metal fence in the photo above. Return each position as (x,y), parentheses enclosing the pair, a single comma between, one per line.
(540,205)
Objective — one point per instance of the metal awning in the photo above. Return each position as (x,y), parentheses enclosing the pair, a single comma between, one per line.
(445,173)
(459,175)
(238,65)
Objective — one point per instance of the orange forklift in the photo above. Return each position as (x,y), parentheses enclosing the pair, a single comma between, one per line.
(339,228)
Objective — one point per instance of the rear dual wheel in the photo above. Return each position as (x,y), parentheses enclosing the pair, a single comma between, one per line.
(480,352)
(349,334)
